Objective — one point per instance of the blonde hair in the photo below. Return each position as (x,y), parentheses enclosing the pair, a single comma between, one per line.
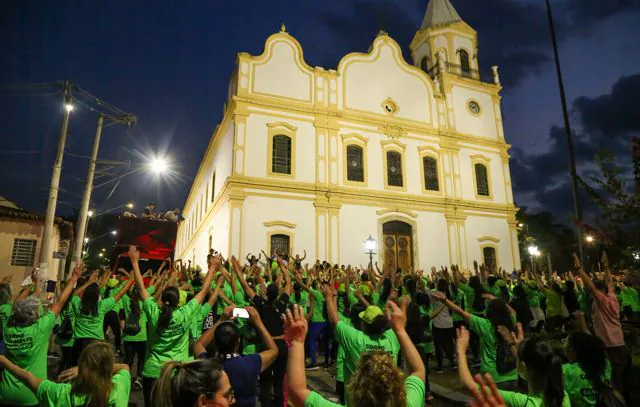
(377,382)
(95,370)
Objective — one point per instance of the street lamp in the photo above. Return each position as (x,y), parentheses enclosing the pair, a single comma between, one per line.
(533,252)
(130,205)
(159,165)
(370,246)
(68,107)
(589,239)
(114,232)
(90,213)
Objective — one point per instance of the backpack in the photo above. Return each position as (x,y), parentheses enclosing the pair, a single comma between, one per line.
(505,360)
(132,324)
(65,330)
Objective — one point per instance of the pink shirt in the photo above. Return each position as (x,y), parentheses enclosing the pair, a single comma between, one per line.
(606,319)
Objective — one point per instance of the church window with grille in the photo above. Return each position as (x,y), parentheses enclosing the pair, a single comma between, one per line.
(482,180)
(281,243)
(489,258)
(394,169)
(465,66)
(355,163)
(281,155)
(430,166)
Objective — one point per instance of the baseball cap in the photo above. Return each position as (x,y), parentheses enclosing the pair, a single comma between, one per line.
(369,314)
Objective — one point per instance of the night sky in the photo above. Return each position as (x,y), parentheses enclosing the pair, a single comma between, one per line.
(169,62)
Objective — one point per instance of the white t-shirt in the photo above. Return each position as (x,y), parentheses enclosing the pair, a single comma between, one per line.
(443,320)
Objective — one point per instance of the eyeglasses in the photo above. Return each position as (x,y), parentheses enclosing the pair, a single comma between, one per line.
(230,396)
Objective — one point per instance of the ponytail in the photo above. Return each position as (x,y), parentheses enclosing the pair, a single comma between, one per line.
(170,299)
(554,392)
(181,384)
(544,370)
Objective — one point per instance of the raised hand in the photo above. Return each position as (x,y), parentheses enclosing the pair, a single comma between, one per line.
(253,315)
(462,342)
(484,397)
(296,324)
(439,296)
(68,374)
(134,254)
(396,316)
(78,270)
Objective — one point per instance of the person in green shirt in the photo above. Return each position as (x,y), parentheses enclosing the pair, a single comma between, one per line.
(27,339)
(375,334)
(554,296)
(498,314)
(96,378)
(89,312)
(543,371)
(630,303)
(318,325)
(377,380)
(588,372)
(168,327)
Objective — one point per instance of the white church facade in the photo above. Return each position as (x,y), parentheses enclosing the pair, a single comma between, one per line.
(316,159)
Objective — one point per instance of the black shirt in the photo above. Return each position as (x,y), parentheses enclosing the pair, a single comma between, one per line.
(271,313)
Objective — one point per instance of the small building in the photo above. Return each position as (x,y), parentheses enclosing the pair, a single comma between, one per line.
(20,240)
(412,153)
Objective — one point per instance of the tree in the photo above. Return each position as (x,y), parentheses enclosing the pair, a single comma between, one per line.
(618,203)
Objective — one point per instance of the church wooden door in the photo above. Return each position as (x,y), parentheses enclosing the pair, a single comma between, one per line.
(397,251)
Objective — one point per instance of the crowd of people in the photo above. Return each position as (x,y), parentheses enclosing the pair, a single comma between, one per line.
(239,333)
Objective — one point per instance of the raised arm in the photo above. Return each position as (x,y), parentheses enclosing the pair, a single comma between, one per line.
(134,256)
(330,302)
(397,318)
(462,344)
(288,288)
(214,262)
(452,306)
(92,279)
(125,288)
(24,376)
(586,280)
(68,289)
(296,325)
(243,282)
(200,346)
(269,355)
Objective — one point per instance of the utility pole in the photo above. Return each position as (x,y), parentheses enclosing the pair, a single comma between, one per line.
(577,210)
(45,248)
(86,197)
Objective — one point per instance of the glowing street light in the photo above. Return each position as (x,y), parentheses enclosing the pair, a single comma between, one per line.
(130,205)
(101,255)
(68,107)
(520,225)
(114,232)
(159,165)
(589,239)
(533,252)
(90,213)
(370,246)
(86,240)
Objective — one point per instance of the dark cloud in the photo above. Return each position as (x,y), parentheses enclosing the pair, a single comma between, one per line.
(512,35)
(604,122)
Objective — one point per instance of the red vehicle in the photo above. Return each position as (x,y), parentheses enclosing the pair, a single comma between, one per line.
(155,239)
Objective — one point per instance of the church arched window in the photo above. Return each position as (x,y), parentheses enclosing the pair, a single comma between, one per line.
(482,180)
(489,258)
(355,163)
(394,169)
(281,154)
(465,66)
(424,64)
(430,166)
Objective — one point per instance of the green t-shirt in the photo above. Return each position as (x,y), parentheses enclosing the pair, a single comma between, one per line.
(89,325)
(513,399)
(27,348)
(554,303)
(318,306)
(52,394)
(356,342)
(198,322)
(629,295)
(173,342)
(414,387)
(459,299)
(578,387)
(534,296)
(142,321)
(488,349)
(5,312)
(426,347)
(304,301)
